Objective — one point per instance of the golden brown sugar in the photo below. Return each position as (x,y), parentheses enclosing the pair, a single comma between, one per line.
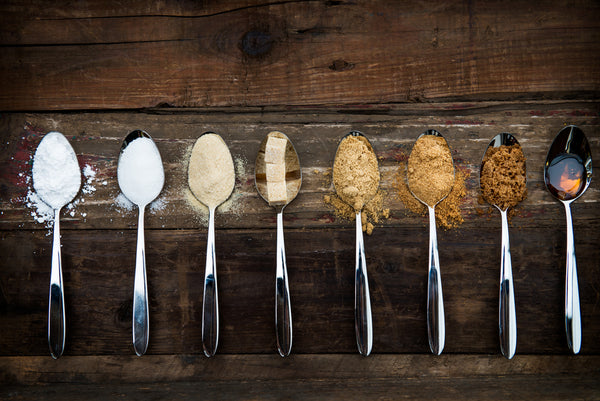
(503,180)
(372,213)
(447,212)
(355,171)
(430,169)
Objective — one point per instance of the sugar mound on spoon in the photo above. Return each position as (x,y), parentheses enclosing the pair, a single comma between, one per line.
(56,173)
(140,172)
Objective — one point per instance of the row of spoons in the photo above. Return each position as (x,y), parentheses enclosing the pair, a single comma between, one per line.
(141,178)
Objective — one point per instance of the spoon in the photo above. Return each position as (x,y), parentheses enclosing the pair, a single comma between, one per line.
(436,326)
(141,178)
(363,321)
(568,173)
(507,321)
(292,181)
(56,180)
(211,177)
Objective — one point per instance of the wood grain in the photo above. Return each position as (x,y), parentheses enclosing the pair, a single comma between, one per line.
(98,69)
(97,138)
(98,277)
(380,377)
(182,54)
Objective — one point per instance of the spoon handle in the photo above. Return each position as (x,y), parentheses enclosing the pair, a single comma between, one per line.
(140,292)
(572,309)
(283,310)
(436,324)
(210,302)
(56,303)
(507,314)
(363,321)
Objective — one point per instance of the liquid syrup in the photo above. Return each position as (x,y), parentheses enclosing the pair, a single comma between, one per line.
(565,176)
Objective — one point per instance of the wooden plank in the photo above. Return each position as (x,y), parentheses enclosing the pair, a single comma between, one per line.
(97,137)
(41,370)
(98,276)
(294,53)
(501,388)
(301,377)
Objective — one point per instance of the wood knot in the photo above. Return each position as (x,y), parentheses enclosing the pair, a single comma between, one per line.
(341,65)
(256,43)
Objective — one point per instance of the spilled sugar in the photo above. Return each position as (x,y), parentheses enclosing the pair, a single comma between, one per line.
(232,206)
(43,213)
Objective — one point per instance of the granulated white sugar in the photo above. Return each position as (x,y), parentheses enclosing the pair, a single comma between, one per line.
(56,173)
(140,172)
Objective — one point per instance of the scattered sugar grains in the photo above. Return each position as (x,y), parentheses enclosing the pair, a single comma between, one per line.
(43,213)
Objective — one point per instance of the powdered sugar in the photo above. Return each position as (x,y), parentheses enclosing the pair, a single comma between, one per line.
(56,173)
(90,175)
(42,212)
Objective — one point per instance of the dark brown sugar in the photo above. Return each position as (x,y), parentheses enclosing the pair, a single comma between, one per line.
(503,176)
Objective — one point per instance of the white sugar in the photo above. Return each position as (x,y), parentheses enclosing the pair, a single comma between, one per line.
(140,172)
(90,175)
(56,173)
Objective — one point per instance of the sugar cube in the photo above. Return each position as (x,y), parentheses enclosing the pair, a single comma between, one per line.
(275,172)
(276,192)
(275,150)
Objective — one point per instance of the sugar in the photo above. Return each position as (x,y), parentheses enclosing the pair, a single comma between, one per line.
(276,192)
(211,174)
(275,172)
(56,173)
(275,150)
(140,171)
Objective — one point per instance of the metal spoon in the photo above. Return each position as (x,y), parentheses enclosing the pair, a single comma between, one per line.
(56,192)
(363,321)
(293,181)
(436,326)
(141,178)
(507,315)
(212,187)
(570,158)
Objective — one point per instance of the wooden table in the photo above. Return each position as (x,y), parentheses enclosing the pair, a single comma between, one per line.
(313,70)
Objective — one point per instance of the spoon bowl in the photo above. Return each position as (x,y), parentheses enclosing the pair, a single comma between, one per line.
(349,196)
(293,173)
(507,320)
(435,133)
(436,326)
(141,177)
(56,180)
(211,178)
(363,321)
(567,175)
(278,177)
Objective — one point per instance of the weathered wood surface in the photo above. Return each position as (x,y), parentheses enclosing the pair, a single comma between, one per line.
(96,70)
(97,137)
(302,377)
(98,249)
(98,277)
(104,55)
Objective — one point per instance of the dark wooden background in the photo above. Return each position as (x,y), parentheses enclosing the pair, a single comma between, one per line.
(314,70)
